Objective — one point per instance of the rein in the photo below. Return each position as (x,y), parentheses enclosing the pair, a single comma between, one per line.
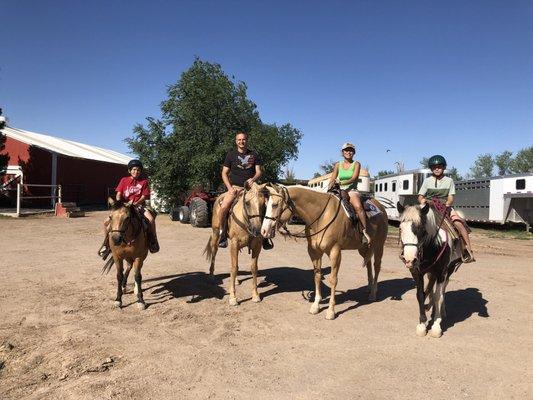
(123,231)
(290,205)
(246,225)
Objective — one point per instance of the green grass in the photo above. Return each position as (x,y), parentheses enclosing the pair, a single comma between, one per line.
(504,233)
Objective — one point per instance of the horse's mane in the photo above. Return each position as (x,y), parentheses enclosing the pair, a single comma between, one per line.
(414,214)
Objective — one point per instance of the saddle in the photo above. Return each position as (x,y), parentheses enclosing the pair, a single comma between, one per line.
(369,208)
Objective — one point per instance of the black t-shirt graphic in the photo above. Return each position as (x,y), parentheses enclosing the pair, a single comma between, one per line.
(241,166)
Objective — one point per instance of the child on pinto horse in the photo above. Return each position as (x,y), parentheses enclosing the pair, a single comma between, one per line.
(134,189)
(443,188)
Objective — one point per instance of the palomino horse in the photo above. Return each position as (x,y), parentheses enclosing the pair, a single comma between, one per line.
(128,242)
(244,230)
(328,230)
(427,249)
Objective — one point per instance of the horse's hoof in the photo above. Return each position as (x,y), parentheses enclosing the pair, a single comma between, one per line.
(330,315)
(435,333)
(421,330)
(117,304)
(141,306)
(256,299)
(233,302)
(314,309)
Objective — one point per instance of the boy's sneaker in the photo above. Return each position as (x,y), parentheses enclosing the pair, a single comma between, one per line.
(104,252)
(154,247)
(267,244)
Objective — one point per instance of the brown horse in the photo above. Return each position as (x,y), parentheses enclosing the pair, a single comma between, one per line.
(128,242)
(328,230)
(244,230)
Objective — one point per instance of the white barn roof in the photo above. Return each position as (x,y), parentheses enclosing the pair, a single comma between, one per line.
(66,147)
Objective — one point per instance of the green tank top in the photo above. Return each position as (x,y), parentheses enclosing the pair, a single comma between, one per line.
(345,174)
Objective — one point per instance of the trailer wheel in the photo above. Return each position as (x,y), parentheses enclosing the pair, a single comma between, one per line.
(199,213)
(184,215)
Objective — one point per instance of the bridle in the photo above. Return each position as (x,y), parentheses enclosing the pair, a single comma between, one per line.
(247,217)
(420,249)
(289,204)
(124,229)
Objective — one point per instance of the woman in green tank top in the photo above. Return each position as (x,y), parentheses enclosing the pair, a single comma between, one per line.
(346,172)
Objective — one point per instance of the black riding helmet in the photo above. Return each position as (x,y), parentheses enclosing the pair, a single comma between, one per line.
(135,163)
(436,160)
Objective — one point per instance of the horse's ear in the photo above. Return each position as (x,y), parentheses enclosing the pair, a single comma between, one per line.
(400,207)
(111,202)
(424,210)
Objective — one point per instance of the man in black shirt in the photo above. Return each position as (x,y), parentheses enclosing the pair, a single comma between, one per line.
(241,168)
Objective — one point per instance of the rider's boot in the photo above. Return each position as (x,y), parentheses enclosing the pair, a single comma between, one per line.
(104,250)
(153,242)
(223,239)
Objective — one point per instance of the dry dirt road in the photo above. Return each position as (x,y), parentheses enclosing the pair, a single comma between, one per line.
(61,338)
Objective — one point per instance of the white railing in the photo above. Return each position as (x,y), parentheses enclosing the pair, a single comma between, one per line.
(55,194)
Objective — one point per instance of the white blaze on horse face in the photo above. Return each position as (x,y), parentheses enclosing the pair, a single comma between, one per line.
(408,236)
(267,229)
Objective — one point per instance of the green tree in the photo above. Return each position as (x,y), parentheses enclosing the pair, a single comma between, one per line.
(203,111)
(325,168)
(4,158)
(454,174)
(483,166)
(523,161)
(424,162)
(503,162)
(384,173)
(289,176)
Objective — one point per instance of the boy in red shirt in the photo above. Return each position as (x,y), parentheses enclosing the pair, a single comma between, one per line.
(134,189)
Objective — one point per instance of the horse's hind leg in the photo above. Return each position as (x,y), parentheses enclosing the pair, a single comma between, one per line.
(256,249)
(119,263)
(428,291)
(215,236)
(421,328)
(137,265)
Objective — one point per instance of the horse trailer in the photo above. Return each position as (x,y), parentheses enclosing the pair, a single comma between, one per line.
(499,199)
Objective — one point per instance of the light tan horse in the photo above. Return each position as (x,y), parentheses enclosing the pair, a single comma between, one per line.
(328,230)
(244,230)
(128,242)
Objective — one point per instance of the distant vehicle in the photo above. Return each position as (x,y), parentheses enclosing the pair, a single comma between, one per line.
(197,209)
(499,199)
(321,183)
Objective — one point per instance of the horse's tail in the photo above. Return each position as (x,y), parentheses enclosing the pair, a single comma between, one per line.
(208,251)
(107,266)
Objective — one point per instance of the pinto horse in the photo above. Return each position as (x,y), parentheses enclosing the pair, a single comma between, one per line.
(328,230)
(428,250)
(244,230)
(128,242)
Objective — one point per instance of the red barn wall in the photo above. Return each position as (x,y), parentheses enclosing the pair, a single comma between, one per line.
(83,181)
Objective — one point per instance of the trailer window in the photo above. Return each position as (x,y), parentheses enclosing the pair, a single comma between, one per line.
(393,186)
(520,184)
(405,184)
(386,184)
(381,187)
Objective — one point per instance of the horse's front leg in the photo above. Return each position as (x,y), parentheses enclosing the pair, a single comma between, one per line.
(438,308)
(316,258)
(421,328)
(137,265)
(335,257)
(234,251)
(119,263)
(126,274)
(256,249)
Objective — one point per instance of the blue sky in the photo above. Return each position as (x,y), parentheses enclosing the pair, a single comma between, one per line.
(416,77)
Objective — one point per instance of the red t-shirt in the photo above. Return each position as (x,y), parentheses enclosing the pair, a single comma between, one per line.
(133,189)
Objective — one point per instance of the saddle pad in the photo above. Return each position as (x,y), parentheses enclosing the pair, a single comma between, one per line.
(370,209)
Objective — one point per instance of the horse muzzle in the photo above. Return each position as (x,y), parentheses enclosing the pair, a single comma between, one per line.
(117,238)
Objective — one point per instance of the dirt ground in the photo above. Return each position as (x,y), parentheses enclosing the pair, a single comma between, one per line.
(61,337)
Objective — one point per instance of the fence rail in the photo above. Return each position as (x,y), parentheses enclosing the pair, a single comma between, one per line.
(55,194)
